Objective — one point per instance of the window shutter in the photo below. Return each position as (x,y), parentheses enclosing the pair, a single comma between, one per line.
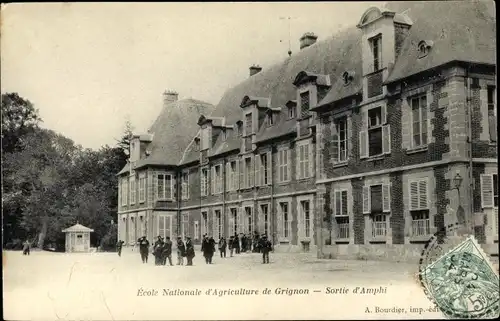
(422,194)
(383,115)
(212,178)
(280,222)
(486,190)
(298,152)
(335,143)
(242,173)
(258,179)
(386,139)
(363,144)
(228,176)
(345,209)
(366,200)
(386,197)
(414,195)
(155,185)
(252,164)
(310,148)
(269,168)
(214,224)
(288,155)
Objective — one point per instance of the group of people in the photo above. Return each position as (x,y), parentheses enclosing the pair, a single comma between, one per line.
(162,248)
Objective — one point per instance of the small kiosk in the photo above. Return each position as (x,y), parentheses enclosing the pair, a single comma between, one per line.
(77,238)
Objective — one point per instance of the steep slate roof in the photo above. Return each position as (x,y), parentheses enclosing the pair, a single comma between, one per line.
(173,131)
(463,30)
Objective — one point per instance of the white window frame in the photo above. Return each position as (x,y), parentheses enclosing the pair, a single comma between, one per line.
(376,226)
(204,181)
(386,197)
(125,191)
(266,218)
(287,224)
(184,224)
(185,185)
(301,215)
(420,224)
(340,190)
(247,226)
(217,179)
(264,169)
(283,165)
(233,220)
(165,196)
(248,172)
(142,188)
(204,222)
(165,217)
(337,158)
(218,224)
(411,99)
(233,178)
(364,147)
(372,40)
(303,166)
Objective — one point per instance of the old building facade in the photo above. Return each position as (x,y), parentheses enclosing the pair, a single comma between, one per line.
(363,145)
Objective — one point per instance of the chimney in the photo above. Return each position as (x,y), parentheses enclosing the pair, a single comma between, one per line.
(255,69)
(309,38)
(169,96)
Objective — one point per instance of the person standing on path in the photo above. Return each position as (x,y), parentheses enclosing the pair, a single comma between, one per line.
(144,249)
(189,251)
(230,245)
(236,243)
(181,251)
(167,251)
(119,246)
(222,246)
(206,249)
(158,251)
(265,248)
(212,248)
(26,247)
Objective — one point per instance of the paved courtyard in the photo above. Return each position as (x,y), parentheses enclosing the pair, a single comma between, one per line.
(107,287)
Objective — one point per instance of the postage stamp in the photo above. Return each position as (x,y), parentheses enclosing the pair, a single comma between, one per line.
(462,282)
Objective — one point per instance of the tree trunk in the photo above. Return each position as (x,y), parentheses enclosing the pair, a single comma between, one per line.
(42,234)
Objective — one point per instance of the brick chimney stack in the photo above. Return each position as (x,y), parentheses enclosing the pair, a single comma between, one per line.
(170,96)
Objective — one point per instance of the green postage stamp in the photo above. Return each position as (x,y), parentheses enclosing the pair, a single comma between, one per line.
(463,283)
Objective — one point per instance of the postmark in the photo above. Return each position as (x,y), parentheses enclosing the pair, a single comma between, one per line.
(462,282)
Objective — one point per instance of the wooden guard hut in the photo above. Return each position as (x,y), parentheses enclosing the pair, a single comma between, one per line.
(78,238)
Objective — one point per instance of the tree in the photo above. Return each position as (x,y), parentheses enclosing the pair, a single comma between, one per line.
(124,142)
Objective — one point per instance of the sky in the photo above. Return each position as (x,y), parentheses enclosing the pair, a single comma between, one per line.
(89,67)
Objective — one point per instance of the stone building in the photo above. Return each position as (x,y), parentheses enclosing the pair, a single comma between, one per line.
(363,144)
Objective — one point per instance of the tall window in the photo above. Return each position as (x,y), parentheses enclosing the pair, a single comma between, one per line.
(292,110)
(304,103)
(248,124)
(419,208)
(233,176)
(185,224)
(492,113)
(132,190)
(264,169)
(204,181)
(218,224)
(233,226)
(419,118)
(265,217)
(248,172)
(489,190)
(165,225)
(196,230)
(303,160)
(379,225)
(375,131)
(204,222)
(164,186)
(185,185)
(125,192)
(142,188)
(285,220)
(376,44)
(249,219)
(340,140)
(283,175)
(306,216)
(217,179)
(377,202)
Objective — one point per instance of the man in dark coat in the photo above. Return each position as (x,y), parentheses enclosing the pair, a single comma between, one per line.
(119,246)
(256,242)
(26,247)
(212,248)
(265,248)
(236,243)
(189,251)
(181,251)
(144,249)
(167,251)
(158,251)
(206,248)
(230,245)
(222,246)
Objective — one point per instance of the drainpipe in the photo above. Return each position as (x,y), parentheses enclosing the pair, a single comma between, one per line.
(468,95)
(178,188)
(224,187)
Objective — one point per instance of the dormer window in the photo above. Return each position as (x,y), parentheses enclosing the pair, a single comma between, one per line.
(197,144)
(239,128)
(270,119)
(292,110)
(376,46)
(224,135)
(424,47)
(248,124)
(374,117)
(304,103)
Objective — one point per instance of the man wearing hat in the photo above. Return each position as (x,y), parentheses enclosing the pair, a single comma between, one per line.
(158,250)
(265,248)
(167,251)
(189,251)
(144,248)
(181,251)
